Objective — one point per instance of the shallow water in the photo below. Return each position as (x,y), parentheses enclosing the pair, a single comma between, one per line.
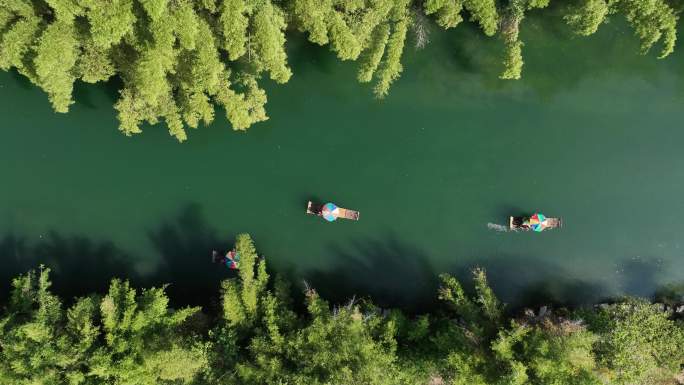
(592,134)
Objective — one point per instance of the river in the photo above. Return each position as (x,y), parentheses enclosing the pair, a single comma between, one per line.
(592,133)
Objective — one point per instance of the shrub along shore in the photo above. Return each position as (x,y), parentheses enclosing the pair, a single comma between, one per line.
(179,60)
(129,336)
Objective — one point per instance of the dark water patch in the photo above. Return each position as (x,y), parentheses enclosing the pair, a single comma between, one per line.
(522,281)
(185,244)
(640,275)
(82,266)
(79,265)
(20,80)
(392,272)
(82,94)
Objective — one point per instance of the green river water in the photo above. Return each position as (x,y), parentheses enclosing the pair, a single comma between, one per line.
(592,133)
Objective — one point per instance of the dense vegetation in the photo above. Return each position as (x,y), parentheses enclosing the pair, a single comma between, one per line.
(133,337)
(180,59)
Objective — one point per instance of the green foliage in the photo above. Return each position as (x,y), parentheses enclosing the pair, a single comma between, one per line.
(372,56)
(513,60)
(586,16)
(560,352)
(269,42)
(142,343)
(181,59)
(33,346)
(510,33)
(94,64)
(16,42)
(654,21)
(109,21)
(153,46)
(234,22)
(375,31)
(344,346)
(482,347)
(448,13)
(640,343)
(242,297)
(340,346)
(126,339)
(390,67)
(56,56)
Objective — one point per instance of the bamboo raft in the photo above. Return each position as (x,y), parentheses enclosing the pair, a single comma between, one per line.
(330,212)
(518,223)
(349,214)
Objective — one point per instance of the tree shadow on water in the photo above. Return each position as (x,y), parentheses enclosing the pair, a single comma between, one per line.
(185,244)
(21,80)
(83,94)
(530,282)
(79,265)
(390,272)
(639,276)
(82,266)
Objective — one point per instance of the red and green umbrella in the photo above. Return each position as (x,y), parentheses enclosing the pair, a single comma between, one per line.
(538,222)
(233,260)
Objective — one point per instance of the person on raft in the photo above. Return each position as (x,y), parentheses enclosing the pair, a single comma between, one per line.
(231,259)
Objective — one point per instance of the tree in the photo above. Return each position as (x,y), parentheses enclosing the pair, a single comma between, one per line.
(481,346)
(344,346)
(152,46)
(340,346)
(374,31)
(123,338)
(586,16)
(142,339)
(639,342)
(39,341)
(653,21)
(556,350)
(448,12)
(180,60)
(510,32)
(254,322)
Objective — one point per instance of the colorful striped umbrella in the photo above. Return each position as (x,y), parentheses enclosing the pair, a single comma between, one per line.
(538,222)
(233,260)
(330,212)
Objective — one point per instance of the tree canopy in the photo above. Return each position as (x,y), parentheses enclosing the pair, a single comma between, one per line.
(179,60)
(258,335)
(126,337)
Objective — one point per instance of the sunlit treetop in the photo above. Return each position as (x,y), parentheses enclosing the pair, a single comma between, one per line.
(180,60)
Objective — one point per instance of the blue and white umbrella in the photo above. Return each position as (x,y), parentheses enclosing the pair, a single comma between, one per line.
(330,212)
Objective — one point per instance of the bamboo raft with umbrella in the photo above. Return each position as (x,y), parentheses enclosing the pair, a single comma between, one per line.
(330,212)
(537,223)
